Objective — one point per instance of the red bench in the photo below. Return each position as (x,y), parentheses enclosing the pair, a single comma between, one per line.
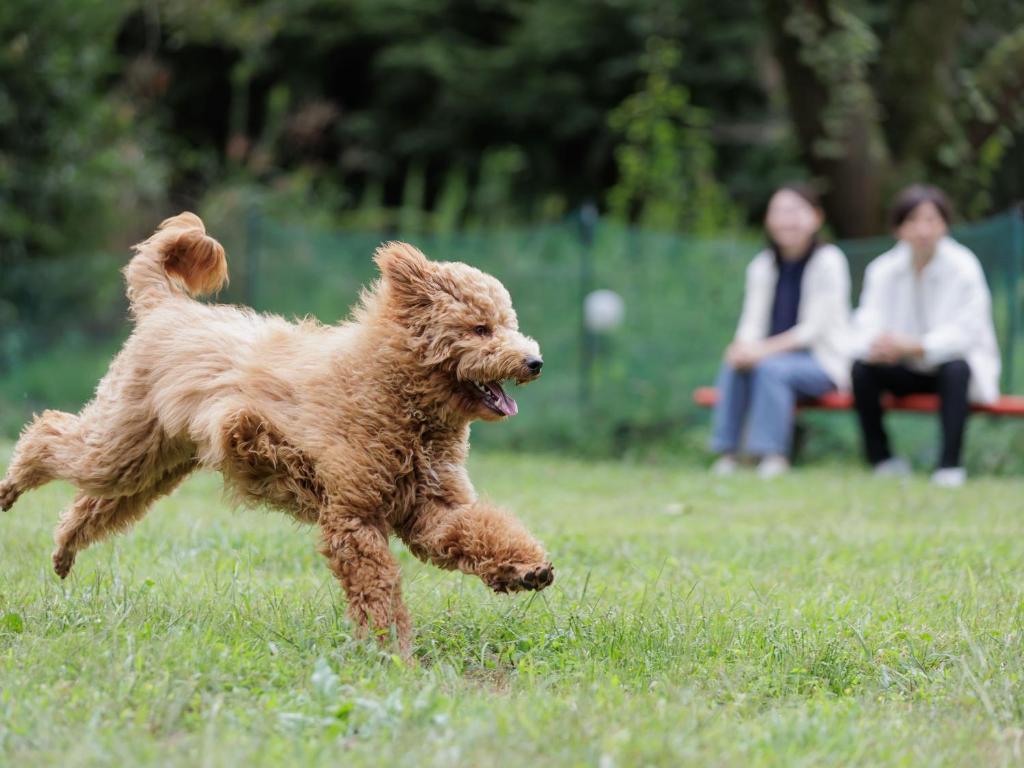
(1007,405)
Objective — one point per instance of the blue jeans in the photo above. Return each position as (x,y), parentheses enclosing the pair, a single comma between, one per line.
(763,400)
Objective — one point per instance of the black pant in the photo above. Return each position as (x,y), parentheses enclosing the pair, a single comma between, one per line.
(950,381)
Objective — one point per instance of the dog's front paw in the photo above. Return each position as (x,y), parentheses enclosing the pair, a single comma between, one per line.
(63,559)
(514,578)
(8,495)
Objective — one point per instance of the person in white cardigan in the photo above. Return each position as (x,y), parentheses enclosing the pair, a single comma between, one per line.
(790,339)
(924,324)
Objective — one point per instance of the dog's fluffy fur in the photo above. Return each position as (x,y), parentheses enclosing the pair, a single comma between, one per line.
(361,428)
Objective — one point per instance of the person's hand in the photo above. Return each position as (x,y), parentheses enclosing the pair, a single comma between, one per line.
(892,348)
(743,355)
(884,350)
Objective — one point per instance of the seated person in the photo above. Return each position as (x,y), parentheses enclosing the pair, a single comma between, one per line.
(924,324)
(790,339)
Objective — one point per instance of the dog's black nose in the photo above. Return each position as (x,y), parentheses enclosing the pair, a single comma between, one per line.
(534,364)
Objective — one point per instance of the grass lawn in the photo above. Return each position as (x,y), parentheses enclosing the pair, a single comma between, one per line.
(821,619)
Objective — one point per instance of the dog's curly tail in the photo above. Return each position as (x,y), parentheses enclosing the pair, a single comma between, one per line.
(178,259)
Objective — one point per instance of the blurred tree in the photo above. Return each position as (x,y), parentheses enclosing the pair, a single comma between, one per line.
(665,160)
(493,112)
(882,93)
(75,163)
(373,90)
(68,153)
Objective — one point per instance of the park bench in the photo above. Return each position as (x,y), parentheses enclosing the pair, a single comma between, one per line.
(1007,405)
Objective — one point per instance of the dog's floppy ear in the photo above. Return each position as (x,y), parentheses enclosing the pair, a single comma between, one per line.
(405,268)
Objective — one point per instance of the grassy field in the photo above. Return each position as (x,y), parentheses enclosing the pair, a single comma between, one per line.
(822,619)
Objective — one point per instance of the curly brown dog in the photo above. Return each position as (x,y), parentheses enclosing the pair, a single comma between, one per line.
(361,427)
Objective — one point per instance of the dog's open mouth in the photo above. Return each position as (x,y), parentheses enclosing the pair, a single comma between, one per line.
(493,396)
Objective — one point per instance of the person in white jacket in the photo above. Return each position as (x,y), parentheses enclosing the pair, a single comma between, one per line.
(790,339)
(924,324)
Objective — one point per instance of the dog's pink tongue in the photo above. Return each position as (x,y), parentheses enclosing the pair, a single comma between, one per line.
(505,403)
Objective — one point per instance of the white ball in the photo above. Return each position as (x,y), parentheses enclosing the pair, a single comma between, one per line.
(603,310)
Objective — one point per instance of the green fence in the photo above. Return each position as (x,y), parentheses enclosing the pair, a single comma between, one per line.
(601,394)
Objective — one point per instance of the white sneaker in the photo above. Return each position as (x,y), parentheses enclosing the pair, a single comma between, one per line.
(772,466)
(725,465)
(894,466)
(949,477)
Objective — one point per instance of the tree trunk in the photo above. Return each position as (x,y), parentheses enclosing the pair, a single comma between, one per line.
(834,114)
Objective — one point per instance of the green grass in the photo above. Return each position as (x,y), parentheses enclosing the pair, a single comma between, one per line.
(821,619)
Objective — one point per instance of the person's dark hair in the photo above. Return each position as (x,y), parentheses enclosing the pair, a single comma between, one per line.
(918,194)
(801,189)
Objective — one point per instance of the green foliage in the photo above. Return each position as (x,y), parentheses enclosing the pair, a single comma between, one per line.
(883,94)
(434,115)
(666,160)
(63,146)
(994,110)
(75,164)
(530,103)
(824,620)
(452,201)
(841,55)
(413,202)
(493,199)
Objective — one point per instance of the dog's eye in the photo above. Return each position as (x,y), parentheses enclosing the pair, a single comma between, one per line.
(482,330)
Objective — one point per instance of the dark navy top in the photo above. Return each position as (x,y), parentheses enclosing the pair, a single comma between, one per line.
(786,304)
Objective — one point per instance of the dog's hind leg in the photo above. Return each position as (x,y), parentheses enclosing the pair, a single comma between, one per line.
(90,518)
(358,554)
(107,451)
(38,454)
